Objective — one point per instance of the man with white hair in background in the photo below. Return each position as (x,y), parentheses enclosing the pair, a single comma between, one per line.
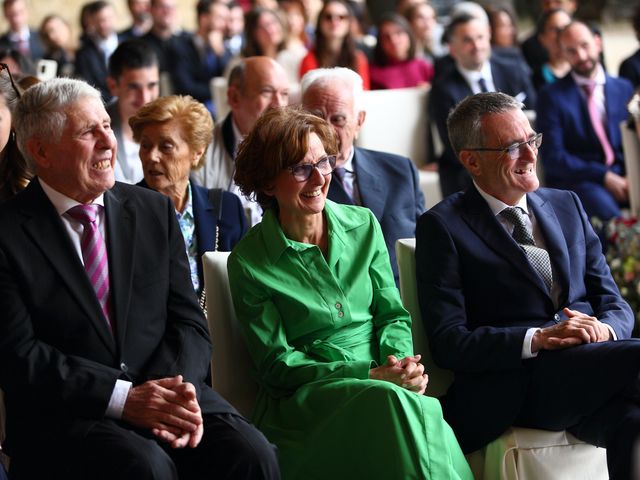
(385,183)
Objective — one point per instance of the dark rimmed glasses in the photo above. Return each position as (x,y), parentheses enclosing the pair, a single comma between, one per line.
(4,66)
(514,151)
(302,172)
(329,17)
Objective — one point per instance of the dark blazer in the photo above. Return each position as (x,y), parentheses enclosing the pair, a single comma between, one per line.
(389,186)
(91,66)
(189,71)
(478,296)
(58,359)
(571,151)
(449,88)
(630,69)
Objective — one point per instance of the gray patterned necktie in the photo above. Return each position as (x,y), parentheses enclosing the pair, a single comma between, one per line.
(538,257)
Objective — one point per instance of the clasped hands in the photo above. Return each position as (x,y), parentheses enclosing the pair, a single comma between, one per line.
(407,373)
(577,329)
(169,408)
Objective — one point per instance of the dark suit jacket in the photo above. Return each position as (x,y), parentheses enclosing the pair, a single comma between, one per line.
(36,50)
(570,150)
(478,296)
(58,359)
(190,73)
(630,69)
(450,87)
(389,186)
(233,224)
(92,67)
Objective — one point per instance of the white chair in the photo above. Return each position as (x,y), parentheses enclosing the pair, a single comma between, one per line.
(166,84)
(231,366)
(430,186)
(218,88)
(519,453)
(631,148)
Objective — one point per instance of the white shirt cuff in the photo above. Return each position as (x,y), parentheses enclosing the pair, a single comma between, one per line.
(118,399)
(526,344)
(614,337)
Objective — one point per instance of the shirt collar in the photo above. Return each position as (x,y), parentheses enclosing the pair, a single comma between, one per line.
(188,206)
(599,79)
(61,202)
(498,206)
(472,76)
(348,164)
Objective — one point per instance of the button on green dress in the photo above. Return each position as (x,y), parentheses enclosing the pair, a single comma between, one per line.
(314,327)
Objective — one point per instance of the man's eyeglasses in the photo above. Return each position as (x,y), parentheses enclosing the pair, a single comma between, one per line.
(4,66)
(334,16)
(514,151)
(302,172)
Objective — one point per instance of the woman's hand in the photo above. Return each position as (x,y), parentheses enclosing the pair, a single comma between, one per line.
(407,373)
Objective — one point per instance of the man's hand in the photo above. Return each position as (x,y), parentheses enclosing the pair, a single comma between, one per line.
(169,408)
(618,186)
(579,328)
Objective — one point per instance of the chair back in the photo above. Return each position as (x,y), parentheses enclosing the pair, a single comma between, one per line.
(231,365)
(439,378)
(631,148)
(218,89)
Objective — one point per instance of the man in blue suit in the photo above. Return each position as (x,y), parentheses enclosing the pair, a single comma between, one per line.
(575,157)
(385,183)
(520,304)
(474,70)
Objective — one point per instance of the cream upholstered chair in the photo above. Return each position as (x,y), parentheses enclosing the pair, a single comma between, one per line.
(218,89)
(631,147)
(519,453)
(231,366)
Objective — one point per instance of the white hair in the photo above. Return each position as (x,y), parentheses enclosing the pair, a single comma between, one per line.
(470,8)
(42,109)
(322,77)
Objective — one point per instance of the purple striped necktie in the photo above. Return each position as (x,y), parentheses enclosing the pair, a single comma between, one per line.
(94,254)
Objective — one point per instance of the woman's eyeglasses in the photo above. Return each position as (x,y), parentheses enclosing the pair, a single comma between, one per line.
(4,66)
(334,16)
(303,171)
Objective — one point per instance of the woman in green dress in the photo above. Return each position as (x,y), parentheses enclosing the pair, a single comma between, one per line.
(341,389)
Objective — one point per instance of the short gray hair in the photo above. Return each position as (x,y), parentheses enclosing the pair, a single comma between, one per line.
(42,110)
(321,77)
(464,123)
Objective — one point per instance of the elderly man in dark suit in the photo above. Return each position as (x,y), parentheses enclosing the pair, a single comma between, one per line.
(103,348)
(474,70)
(518,299)
(385,183)
(580,116)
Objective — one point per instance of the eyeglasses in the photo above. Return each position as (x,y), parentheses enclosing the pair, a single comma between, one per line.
(303,171)
(334,16)
(4,66)
(514,150)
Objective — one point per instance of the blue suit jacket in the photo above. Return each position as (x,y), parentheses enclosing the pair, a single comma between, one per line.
(450,88)
(570,150)
(389,186)
(479,295)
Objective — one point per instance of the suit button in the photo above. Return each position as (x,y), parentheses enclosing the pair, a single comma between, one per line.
(123,367)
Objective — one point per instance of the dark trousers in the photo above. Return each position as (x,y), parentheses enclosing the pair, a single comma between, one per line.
(594,392)
(231,448)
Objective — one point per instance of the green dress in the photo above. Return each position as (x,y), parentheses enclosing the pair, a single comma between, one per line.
(314,328)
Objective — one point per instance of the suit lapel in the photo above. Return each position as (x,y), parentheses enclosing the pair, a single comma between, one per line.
(46,230)
(371,187)
(121,245)
(554,240)
(477,214)
(228,137)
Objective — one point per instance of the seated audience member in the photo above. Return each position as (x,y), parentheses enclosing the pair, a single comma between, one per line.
(385,183)
(335,45)
(395,64)
(580,118)
(164,32)
(173,133)
(203,56)
(140,11)
(518,299)
(504,36)
(533,51)
(549,27)
(117,360)
(234,32)
(630,67)
(333,355)
(133,81)
(56,40)
(15,170)
(20,37)
(298,42)
(426,30)
(475,69)
(255,85)
(93,54)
